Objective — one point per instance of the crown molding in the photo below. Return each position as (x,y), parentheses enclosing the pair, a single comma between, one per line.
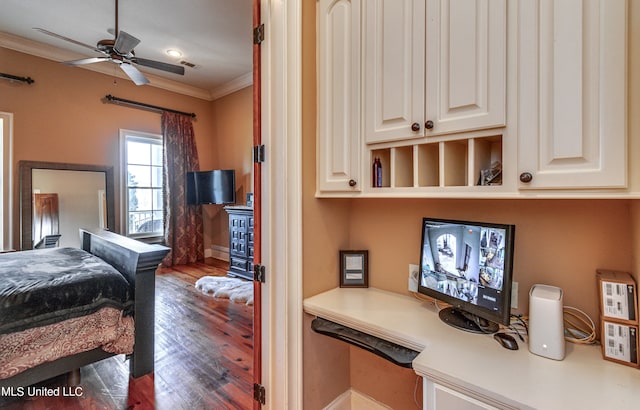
(232,86)
(57,54)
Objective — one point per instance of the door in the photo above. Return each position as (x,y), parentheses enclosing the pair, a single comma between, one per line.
(436,396)
(465,65)
(46,221)
(339,132)
(393,69)
(433,67)
(257,216)
(572,92)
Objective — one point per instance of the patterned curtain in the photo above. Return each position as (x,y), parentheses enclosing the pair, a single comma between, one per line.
(183,224)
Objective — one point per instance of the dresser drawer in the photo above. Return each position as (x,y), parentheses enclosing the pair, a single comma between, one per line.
(238,264)
(238,223)
(238,248)
(239,235)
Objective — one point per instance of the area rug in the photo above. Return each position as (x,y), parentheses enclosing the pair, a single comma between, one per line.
(234,289)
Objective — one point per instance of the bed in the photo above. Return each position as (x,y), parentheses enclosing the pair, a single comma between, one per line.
(100,298)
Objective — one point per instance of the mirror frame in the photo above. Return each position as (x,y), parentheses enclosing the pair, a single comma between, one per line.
(26,188)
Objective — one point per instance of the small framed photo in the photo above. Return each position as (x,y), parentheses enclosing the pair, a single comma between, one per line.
(354,269)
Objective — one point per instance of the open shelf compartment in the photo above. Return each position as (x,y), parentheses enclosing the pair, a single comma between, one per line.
(475,161)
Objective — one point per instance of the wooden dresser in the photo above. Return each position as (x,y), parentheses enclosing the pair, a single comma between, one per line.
(240,241)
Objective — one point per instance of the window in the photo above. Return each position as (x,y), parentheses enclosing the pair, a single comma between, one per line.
(5,176)
(142,183)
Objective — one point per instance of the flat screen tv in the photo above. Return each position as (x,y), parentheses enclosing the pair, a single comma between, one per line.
(211,187)
(469,266)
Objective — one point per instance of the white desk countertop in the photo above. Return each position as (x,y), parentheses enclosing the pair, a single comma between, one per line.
(476,364)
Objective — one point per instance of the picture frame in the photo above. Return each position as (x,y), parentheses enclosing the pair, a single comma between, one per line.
(354,269)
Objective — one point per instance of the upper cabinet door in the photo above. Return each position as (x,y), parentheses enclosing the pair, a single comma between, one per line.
(394,56)
(339,134)
(572,93)
(465,65)
(433,67)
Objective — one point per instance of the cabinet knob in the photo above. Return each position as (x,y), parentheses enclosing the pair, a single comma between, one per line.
(428,125)
(415,127)
(526,177)
(352,182)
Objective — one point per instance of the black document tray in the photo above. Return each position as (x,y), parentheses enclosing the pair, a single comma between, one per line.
(397,354)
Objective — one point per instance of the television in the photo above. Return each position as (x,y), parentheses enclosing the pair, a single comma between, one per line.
(468,265)
(211,187)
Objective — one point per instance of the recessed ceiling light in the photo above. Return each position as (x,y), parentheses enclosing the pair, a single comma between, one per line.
(174,53)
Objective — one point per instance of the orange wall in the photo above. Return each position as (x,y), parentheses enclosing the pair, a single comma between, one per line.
(326,371)
(233,124)
(558,242)
(62,118)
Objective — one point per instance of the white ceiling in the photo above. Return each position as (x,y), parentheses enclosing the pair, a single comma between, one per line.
(215,35)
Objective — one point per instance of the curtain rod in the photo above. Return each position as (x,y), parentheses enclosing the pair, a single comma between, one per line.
(116,100)
(10,77)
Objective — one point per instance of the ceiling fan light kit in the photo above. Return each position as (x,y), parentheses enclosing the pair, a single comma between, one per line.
(119,51)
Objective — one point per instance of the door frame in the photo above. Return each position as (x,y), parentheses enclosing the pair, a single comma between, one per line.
(6,177)
(281,225)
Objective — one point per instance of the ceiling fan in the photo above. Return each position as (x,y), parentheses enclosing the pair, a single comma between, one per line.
(118,51)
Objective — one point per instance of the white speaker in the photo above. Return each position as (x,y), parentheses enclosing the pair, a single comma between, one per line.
(546,327)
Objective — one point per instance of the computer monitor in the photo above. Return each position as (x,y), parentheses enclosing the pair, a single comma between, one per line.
(469,266)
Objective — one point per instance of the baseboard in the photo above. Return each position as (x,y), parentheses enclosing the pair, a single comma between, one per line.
(217,252)
(354,400)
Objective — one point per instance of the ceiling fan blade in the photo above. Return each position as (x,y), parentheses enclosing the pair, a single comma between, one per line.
(125,43)
(86,61)
(171,68)
(70,40)
(136,76)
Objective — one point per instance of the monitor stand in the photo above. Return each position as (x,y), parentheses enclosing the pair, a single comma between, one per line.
(467,321)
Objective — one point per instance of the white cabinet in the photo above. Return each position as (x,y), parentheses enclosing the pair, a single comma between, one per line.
(433,67)
(443,91)
(394,69)
(436,396)
(339,141)
(572,94)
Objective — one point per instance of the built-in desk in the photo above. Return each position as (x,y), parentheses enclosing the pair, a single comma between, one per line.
(476,365)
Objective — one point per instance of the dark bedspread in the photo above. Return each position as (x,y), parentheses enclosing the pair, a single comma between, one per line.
(42,287)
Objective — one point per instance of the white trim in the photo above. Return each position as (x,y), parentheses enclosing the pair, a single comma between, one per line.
(217,252)
(353,399)
(282,204)
(6,173)
(232,86)
(122,178)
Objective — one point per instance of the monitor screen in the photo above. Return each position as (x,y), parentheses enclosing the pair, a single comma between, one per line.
(211,187)
(468,265)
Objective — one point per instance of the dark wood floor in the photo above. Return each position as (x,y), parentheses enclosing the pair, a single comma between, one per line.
(203,356)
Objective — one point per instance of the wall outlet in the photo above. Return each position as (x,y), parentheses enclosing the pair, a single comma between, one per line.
(514,295)
(413,277)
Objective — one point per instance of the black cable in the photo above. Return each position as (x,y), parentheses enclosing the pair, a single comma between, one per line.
(515,329)
(519,319)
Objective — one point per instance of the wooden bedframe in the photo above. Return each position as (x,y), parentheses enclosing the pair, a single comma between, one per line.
(138,262)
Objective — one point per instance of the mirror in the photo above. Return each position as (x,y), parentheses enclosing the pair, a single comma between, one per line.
(69,196)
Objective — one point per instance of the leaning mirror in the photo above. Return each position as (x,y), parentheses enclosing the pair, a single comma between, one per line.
(56,199)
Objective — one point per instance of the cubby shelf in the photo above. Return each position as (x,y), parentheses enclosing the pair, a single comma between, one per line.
(451,163)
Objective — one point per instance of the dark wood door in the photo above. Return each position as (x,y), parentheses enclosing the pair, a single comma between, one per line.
(257,211)
(45,216)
